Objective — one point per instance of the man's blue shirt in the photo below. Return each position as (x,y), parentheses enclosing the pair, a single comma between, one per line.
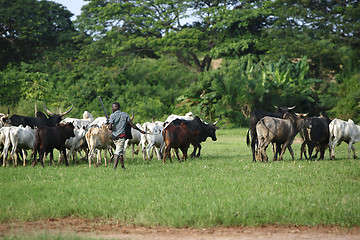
(119,120)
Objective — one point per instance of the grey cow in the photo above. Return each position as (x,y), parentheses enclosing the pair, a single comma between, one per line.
(280,131)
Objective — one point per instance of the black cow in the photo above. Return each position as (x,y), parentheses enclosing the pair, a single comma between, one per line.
(178,136)
(48,138)
(40,120)
(204,131)
(255,116)
(316,136)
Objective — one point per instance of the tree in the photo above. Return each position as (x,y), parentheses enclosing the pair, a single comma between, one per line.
(30,27)
(321,30)
(151,28)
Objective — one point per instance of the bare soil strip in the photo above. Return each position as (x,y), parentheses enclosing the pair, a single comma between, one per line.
(107,229)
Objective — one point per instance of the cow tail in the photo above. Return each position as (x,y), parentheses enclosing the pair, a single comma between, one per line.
(331,132)
(248,137)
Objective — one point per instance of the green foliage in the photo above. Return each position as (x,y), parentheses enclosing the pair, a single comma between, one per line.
(348,97)
(242,84)
(156,60)
(29,26)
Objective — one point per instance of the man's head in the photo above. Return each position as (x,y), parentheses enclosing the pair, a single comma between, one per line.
(115,106)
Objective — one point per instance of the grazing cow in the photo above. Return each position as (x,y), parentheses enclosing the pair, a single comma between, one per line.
(172,117)
(255,116)
(135,140)
(80,123)
(98,139)
(152,139)
(341,131)
(48,138)
(279,131)
(178,136)
(39,120)
(316,136)
(21,138)
(204,131)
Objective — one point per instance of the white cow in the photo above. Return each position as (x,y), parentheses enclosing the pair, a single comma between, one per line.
(73,144)
(21,138)
(340,131)
(98,139)
(79,123)
(135,140)
(152,138)
(98,122)
(172,117)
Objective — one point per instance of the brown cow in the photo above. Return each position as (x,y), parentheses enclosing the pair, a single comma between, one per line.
(177,136)
(48,138)
(98,139)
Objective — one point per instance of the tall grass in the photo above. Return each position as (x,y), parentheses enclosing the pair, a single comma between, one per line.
(222,187)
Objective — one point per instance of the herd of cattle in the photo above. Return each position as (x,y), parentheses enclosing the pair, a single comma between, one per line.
(281,127)
(44,133)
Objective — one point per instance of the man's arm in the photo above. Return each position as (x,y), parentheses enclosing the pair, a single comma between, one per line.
(135,127)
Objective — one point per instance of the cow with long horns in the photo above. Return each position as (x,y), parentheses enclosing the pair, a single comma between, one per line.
(40,120)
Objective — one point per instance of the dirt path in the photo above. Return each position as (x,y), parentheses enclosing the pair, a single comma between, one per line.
(114,230)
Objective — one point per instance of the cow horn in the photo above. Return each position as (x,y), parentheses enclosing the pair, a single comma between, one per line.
(132,115)
(63,114)
(276,107)
(291,108)
(217,121)
(48,111)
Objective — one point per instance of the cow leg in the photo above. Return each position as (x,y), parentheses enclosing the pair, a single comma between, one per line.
(143,149)
(286,144)
(176,151)
(52,158)
(167,153)
(14,155)
(262,145)
(351,146)
(106,152)
(333,144)
(65,158)
(196,146)
(322,153)
(303,150)
(42,158)
(184,151)
(311,148)
(90,156)
(33,155)
(291,152)
(24,156)
(157,151)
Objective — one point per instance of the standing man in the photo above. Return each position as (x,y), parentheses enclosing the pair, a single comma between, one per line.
(118,122)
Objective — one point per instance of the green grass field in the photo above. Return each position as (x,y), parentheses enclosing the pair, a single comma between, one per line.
(221,188)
